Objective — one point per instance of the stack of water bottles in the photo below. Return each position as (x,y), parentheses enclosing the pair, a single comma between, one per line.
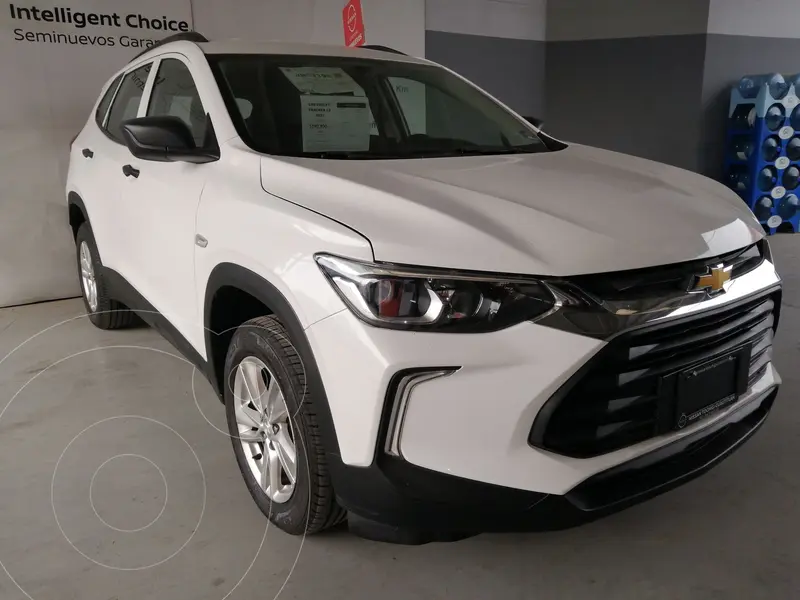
(762,162)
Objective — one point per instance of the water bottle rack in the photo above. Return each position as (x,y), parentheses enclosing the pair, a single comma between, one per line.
(750,125)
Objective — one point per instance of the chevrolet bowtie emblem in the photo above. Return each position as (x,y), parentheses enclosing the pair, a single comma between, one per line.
(714,281)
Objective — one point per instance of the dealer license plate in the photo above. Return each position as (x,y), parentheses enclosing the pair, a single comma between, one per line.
(707,388)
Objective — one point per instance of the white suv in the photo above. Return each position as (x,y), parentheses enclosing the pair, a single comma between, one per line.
(422,313)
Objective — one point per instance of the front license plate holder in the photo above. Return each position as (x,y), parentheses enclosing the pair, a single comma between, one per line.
(706,388)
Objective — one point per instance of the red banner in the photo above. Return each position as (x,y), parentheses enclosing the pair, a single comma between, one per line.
(353,20)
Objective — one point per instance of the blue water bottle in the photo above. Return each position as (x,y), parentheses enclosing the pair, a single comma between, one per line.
(793,149)
(794,120)
(750,85)
(744,116)
(771,148)
(742,147)
(767,178)
(775,117)
(791,177)
(739,179)
(788,207)
(763,209)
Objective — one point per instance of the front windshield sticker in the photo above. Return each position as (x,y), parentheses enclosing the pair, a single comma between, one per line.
(322,80)
(335,123)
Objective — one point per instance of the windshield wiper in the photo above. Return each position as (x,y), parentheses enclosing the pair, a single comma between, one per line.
(354,155)
(467,150)
(479,150)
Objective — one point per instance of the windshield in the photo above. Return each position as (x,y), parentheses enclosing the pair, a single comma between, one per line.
(353,108)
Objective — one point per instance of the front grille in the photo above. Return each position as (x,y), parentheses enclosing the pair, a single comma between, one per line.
(658,282)
(616,400)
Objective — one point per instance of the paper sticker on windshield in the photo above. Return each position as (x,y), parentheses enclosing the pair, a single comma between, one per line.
(322,80)
(335,124)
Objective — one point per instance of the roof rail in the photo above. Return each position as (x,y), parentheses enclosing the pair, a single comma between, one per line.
(382,49)
(187,36)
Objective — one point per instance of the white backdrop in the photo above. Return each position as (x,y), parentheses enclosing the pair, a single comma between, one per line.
(50,84)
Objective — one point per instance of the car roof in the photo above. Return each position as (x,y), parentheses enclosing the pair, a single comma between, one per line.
(278,48)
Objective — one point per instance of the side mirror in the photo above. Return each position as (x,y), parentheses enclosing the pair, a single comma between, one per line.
(164,139)
(535,121)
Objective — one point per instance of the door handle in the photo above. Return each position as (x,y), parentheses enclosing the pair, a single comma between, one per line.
(87,153)
(129,171)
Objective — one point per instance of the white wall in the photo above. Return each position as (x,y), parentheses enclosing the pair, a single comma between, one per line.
(48,90)
(396,23)
(514,19)
(45,98)
(759,18)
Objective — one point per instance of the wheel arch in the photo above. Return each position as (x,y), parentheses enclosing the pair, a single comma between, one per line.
(229,282)
(78,214)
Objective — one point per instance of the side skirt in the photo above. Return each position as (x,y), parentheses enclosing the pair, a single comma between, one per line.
(124,292)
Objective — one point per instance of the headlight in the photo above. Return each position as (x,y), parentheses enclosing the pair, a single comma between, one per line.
(433,300)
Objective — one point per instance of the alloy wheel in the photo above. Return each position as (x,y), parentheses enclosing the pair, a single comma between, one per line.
(265,429)
(88,279)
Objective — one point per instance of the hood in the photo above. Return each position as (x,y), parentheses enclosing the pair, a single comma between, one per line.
(575,211)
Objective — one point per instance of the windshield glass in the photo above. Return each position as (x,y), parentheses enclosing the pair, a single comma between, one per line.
(352,108)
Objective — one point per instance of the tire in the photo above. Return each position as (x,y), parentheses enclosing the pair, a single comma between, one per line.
(104,312)
(312,505)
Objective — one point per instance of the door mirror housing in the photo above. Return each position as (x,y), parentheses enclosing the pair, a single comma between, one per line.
(164,139)
(535,121)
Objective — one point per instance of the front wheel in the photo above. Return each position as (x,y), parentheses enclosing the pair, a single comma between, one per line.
(273,427)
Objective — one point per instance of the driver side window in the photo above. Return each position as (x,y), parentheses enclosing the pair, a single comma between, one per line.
(175,95)
(126,102)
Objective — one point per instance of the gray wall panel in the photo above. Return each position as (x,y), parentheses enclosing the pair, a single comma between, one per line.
(516,19)
(512,70)
(639,96)
(610,19)
(761,18)
(729,57)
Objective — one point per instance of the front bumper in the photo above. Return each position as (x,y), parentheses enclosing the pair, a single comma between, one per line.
(475,423)
(465,462)
(425,505)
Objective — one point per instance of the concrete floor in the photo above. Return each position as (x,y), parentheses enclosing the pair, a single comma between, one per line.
(101,427)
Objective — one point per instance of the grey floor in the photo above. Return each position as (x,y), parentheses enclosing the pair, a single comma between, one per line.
(116,484)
